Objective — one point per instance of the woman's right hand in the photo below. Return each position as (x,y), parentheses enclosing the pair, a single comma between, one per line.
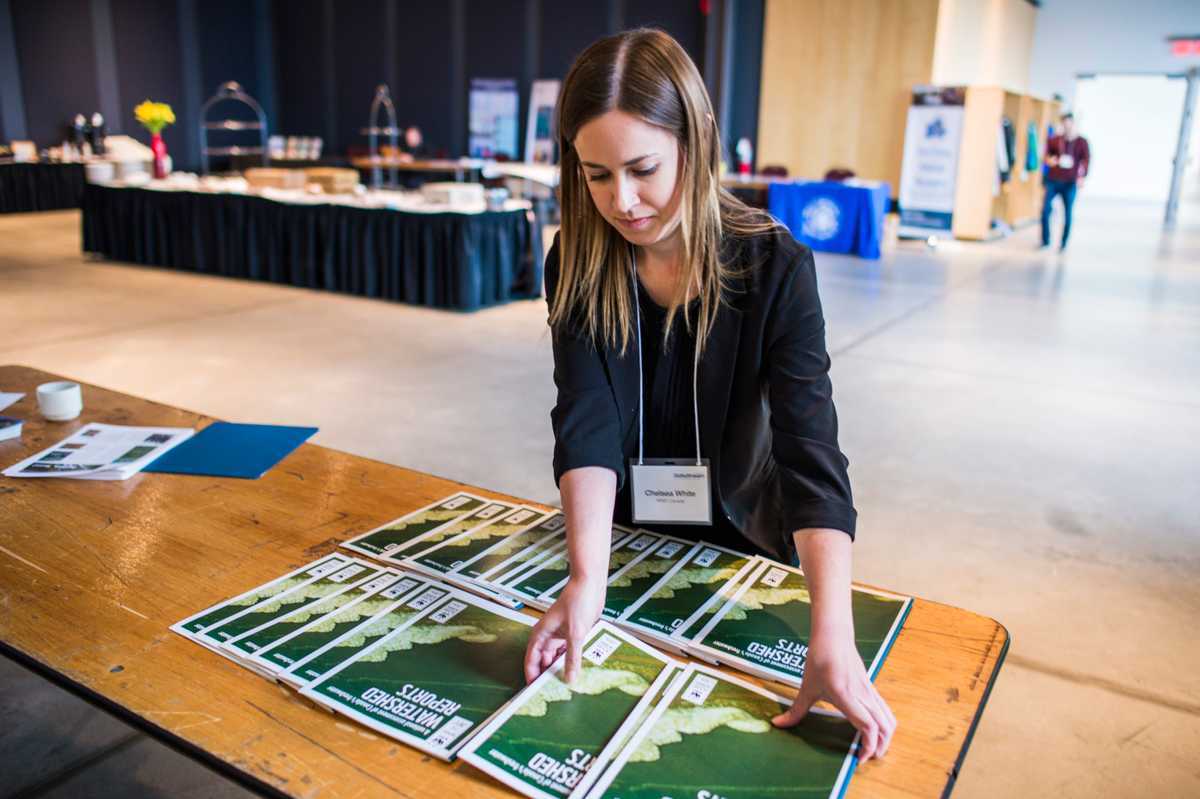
(565,627)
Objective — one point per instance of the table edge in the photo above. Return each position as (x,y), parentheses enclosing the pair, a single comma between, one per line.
(952,780)
(181,745)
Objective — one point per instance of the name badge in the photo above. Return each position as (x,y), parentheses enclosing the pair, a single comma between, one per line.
(1065,161)
(670,491)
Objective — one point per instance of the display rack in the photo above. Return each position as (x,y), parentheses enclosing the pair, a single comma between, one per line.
(232,91)
(383,100)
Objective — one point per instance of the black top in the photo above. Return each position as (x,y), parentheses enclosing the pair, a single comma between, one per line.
(669,422)
(767,421)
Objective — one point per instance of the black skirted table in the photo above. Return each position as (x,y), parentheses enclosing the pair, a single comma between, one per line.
(463,261)
(40,187)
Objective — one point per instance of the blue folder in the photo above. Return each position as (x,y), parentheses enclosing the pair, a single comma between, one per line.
(225,449)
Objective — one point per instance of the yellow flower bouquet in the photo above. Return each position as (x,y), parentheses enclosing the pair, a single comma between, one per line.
(154,116)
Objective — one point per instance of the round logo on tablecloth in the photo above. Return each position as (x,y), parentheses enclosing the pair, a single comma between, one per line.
(821,219)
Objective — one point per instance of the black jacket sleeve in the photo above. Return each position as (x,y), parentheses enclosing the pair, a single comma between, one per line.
(585,419)
(816,486)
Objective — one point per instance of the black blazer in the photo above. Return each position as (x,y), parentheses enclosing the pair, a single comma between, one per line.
(767,421)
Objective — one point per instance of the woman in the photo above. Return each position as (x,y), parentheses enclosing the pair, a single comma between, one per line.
(661,280)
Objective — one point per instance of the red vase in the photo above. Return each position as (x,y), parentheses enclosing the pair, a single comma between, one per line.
(159,148)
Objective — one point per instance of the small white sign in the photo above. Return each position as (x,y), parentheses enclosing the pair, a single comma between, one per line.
(448,611)
(774,577)
(706,557)
(450,732)
(669,549)
(326,567)
(601,648)
(698,690)
(670,492)
(399,589)
(426,598)
(346,573)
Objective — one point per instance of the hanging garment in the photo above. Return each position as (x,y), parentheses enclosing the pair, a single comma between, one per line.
(1003,152)
(1031,148)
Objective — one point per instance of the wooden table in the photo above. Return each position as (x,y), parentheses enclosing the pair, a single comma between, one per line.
(92,574)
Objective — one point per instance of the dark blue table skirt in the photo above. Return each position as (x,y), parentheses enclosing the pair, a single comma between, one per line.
(40,187)
(460,261)
(831,216)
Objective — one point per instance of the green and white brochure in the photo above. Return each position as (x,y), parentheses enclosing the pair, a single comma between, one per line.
(400,533)
(711,736)
(194,624)
(764,627)
(363,601)
(630,583)
(404,604)
(351,577)
(553,740)
(435,679)
(280,605)
(519,548)
(632,550)
(532,583)
(492,511)
(688,589)
(441,559)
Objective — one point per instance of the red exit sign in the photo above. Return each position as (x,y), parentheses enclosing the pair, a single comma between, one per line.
(1185,46)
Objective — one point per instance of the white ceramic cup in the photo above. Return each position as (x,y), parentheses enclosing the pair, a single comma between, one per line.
(60,401)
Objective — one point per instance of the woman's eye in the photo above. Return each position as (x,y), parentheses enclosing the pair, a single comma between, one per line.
(597,178)
(645,173)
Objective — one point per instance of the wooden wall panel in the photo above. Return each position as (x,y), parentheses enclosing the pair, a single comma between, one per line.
(836,82)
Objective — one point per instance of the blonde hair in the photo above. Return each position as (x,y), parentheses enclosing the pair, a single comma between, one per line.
(646,74)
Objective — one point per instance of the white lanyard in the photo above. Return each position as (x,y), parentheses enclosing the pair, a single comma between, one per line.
(637,307)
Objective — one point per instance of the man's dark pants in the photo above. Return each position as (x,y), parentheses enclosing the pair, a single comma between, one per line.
(1054,188)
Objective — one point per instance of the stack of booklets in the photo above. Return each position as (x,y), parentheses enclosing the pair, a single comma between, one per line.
(420,640)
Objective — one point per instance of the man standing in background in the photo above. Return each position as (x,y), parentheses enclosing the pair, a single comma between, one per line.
(1067,158)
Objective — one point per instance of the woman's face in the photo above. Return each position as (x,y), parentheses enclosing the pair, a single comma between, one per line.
(632,172)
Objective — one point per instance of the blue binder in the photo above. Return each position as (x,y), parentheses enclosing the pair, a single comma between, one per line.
(225,449)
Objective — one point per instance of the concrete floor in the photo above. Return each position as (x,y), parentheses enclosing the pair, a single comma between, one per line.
(1023,430)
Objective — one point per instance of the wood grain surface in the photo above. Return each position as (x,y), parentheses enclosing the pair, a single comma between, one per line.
(93,573)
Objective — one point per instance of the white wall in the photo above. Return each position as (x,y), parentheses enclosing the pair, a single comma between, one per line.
(984,43)
(1075,36)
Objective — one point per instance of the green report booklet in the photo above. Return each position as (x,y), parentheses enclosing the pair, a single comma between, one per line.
(194,624)
(269,632)
(441,559)
(711,736)
(518,548)
(763,627)
(432,681)
(687,591)
(529,584)
(397,534)
(630,583)
(492,511)
(553,737)
(361,603)
(631,551)
(403,606)
(302,596)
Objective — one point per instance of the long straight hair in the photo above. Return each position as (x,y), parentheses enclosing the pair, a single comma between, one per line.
(647,74)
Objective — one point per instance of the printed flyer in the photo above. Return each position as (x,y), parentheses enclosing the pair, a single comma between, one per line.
(365,601)
(266,634)
(531,584)
(553,736)
(763,628)
(282,604)
(632,550)
(434,680)
(192,625)
(399,533)
(689,588)
(711,736)
(404,607)
(632,582)
(443,557)
(517,549)
(488,513)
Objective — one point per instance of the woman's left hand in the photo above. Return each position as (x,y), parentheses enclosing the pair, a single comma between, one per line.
(834,672)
